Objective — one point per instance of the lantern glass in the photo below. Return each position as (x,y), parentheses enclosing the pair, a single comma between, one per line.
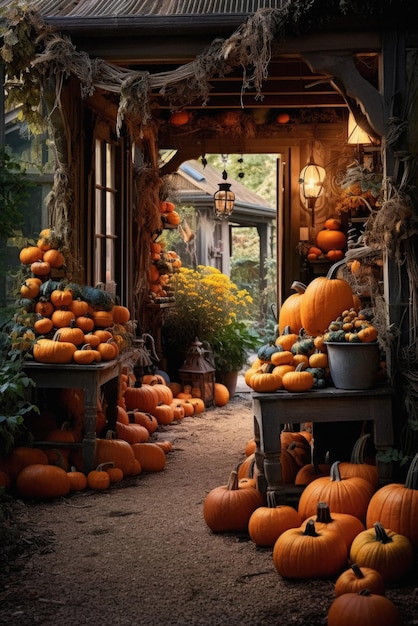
(224,200)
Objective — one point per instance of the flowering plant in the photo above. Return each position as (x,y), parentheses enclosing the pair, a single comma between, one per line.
(211,307)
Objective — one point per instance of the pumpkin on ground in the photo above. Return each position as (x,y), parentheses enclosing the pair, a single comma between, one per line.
(98,479)
(396,505)
(348,495)
(302,553)
(356,578)
(267,523)
(343,523)
(363,609)
(221,394)
(357,465)
(116,450)
(43,482)
(151,457)
(228,508)
(386,551)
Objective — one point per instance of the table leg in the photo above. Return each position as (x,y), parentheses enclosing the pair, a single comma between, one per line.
(89,439)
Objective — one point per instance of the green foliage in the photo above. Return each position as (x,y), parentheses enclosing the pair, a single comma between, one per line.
(232,346)
(13,193)
(15,386)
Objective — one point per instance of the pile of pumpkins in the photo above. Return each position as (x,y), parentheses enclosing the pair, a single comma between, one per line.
(297,360)
(344,528)
(128,449)
(64,322)
(330,242)
(163,263)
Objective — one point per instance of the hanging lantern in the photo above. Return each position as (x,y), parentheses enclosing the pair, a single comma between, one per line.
(311,184)
(224,198)
(198,372)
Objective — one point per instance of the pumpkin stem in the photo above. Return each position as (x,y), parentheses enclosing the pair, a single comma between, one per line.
(334,472)
(323,514)
(233,481)
(365,592)
(411,481)
(310,530)
(381,534)
(100,468)
(271,500)
(332,272)
(299,287)
(357,571)
(357,454)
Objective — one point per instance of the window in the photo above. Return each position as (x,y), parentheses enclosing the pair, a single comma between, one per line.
(105,201)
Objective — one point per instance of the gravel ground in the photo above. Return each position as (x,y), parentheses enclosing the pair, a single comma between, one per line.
(141,554)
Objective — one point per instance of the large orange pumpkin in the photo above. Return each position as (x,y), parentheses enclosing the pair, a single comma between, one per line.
(322,302)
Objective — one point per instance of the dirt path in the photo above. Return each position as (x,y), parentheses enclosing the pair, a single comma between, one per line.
(142,554)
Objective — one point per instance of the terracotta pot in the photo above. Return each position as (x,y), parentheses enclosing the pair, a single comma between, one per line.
(228,379)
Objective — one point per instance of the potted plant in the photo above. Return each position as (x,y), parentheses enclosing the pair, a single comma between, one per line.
(231,347)
(208,305)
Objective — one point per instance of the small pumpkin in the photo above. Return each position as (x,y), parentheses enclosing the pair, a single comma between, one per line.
(345,524)
(267,523)
(78,480)
(356,578)
(98,479)
(30,254)
(299,380)
(228,508)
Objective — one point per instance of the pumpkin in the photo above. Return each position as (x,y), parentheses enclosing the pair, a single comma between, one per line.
(98,479)
(302,553)
(142,398)
(44,307)
(103,335)
(335,255)
(147,420)
(286,339)
(54,257)
(61,318)
(30,288)
(30,254)
(267,523)
(121,314)
(357,465)
(197,404)
(348,495)
(72,334)
(250,447)
(116,450)
(179,118)
(228,508)
(386,551)
(221,394)
(324,299)
(21,457)
(345,524)
(356,578)
(330,239)
(78,480)
(40,481)
(284,357)
(310,472)
(132,433)
(40,268)
(396,505)
(289,314)
(78,307)
(85,323)
(261,381)
(108,350)
(333,223)
(53,350)
(43,325)
(298,380)
(151,457)
(363,609)
(102,319)
(166,446)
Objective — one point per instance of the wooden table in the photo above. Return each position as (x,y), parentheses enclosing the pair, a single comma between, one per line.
(273,410)
(88,378)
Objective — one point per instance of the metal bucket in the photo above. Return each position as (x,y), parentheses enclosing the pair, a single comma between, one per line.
(353,365)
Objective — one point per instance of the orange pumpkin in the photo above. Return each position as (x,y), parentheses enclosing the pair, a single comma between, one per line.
(179,118)
(323,301)
(328,239)
(289,314)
